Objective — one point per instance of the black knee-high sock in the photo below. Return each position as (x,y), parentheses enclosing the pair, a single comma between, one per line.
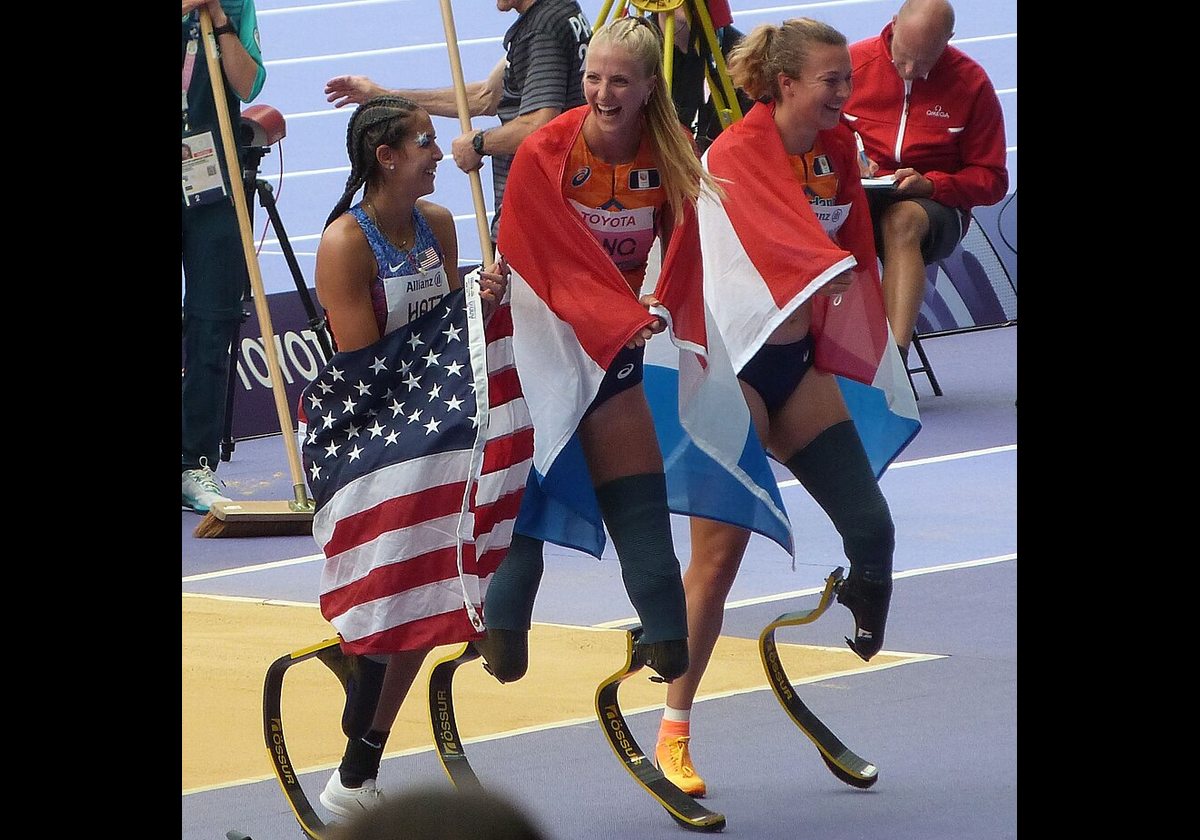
(362,695)
(508,604)
(362,757)
(835,470)
(508,609)
(635,510)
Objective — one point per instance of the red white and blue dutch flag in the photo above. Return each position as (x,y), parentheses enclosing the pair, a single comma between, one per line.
(765,253)
(572,313)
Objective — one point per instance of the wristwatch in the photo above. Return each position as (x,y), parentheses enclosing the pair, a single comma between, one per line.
(477,143)
(227,26)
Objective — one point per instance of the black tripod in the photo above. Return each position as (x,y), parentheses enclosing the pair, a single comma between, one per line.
(316,322)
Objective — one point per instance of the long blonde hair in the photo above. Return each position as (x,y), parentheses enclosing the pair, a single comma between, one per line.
(678,166)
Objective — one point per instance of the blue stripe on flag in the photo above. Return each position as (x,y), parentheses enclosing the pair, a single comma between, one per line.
(883,433)
(560,507)
(710,491)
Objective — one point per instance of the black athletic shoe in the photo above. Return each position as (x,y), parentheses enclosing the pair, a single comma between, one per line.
(363,685)
(867,597)
(669,658)
(505,653)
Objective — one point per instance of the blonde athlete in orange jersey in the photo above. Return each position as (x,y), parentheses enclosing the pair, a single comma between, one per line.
(627,167)
(619,203)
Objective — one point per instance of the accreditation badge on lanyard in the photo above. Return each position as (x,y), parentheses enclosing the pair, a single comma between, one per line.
(202,181)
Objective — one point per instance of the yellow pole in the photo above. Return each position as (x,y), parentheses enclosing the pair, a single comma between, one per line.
(735,110)
(669,48)
(604,12)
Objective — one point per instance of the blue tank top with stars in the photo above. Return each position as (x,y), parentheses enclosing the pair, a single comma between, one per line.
(408,282)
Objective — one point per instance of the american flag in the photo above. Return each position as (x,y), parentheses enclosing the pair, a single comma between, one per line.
(416,450)
(427,259)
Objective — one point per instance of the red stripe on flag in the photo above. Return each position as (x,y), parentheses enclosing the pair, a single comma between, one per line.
(572,276)
(386,581)
(500,325)
(505,507)
(720,13)
(775,224)
(392,514)
(432,631)
(503,452)
(491,559)
(504,386)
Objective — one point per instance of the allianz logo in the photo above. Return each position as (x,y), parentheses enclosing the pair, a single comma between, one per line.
(936,111)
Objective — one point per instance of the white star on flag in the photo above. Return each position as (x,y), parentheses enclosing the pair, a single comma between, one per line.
(448,493)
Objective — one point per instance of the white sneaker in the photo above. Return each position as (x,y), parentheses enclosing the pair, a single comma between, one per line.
(348,802)
(201,488)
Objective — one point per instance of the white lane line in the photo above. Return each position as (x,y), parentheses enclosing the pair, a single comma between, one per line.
(979,38)
(929,570)
(816,590)
(954,456)
(259,567)
(919,462)
(440,46)
(320,7)
(243,599)
(923,462)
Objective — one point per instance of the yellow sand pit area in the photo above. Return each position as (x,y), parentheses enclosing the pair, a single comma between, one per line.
(228,645)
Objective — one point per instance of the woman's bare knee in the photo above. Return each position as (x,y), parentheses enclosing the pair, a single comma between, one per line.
(717,551)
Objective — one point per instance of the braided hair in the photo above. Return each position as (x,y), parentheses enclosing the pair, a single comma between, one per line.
(380,121)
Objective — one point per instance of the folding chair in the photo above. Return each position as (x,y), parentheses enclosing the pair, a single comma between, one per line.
(924,368)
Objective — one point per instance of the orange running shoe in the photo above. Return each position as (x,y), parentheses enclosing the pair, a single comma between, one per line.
(672,757)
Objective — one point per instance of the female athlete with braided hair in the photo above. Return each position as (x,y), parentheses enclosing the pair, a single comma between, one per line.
(392,232)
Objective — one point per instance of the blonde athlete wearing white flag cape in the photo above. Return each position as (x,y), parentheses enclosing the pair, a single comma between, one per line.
(590,194)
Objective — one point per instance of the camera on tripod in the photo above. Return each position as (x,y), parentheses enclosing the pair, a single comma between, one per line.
(262,126)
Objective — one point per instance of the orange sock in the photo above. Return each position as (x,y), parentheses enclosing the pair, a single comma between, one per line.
(674,728)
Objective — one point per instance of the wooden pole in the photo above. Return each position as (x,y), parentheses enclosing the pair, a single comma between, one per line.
(464,119)
(234,169)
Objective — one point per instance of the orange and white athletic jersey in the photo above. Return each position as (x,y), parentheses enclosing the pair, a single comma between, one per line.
(817,174)
(620,204)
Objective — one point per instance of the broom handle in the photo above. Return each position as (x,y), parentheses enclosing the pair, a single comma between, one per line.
(256,283)
(464,119)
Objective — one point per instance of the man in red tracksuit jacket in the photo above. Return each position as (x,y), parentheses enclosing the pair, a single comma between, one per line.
(928,114)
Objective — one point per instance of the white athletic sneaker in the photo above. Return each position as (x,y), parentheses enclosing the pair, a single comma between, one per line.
(201,488)
(347,802)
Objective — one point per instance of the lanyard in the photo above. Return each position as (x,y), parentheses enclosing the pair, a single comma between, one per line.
(189,64)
